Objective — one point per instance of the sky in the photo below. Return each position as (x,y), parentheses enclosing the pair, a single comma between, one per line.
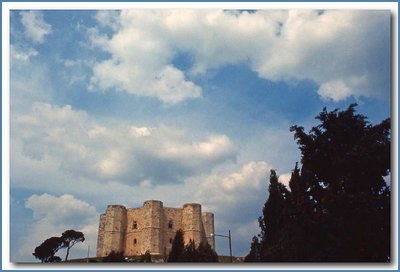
(123,106)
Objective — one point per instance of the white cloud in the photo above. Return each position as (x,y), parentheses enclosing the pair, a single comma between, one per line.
(140,64)
(223,189)
(346,52)
(28,84)
(51,142)
(59,210)
(35,26)
(236,198)
(107,18)
(52,216)
(22,55)
(335,90)
(285,179)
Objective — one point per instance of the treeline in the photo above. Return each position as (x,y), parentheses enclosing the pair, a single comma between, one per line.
(337,206)
(180,253)
(190,253)
(46,251)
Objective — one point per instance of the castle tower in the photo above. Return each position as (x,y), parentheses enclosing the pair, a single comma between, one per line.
(208,225)
(152,227)
(112,228)
(100,236)
(192,225)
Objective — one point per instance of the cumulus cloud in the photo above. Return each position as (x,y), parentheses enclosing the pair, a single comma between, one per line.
(35,27)
(222,190)
(107,18)
(346,52)
(59,210)
(52,216)
(284,179)
(51,139)
(233,196)
(140,64)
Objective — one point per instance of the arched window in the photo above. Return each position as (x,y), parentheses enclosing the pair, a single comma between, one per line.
(170,240)
(134,225)
(170,225)
(134,241)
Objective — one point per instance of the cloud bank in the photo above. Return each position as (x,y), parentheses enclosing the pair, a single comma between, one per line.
(59,140)
(337,49)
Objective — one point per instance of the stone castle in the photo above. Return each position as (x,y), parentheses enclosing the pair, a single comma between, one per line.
(152,228)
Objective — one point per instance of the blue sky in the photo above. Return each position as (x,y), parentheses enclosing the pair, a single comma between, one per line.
(117,107)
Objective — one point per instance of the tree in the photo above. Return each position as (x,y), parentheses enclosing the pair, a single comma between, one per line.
(177,249)
(189,253)
(71,237)
(344,162)
(45,251)
(338,206)
(271,220)
(114,257)
(255,251)
(55,259)
(205,254)
(274,218)
(345,153)
(146,257)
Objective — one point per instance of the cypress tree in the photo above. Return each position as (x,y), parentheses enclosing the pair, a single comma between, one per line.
(177,249)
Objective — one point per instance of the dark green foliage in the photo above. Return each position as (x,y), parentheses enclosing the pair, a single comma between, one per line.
(338,209)
(189,253)
(146,257)
(114,257)
(54,259)
(273,219)
(71,237)
(45,252)
(345,153)
(255,251)
(205,254)
(202,254)
(177,249)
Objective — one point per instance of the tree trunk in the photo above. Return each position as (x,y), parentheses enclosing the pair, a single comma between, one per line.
(66,256)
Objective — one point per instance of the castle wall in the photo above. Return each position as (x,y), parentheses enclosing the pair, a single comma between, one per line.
(134,232)
(112,229)
(173,215)
(208,227)
(152,227)
(100,236)
(191,221)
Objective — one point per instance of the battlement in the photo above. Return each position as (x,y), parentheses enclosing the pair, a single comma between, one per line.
(151,227)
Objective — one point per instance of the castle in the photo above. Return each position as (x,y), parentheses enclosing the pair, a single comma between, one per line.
(152,228)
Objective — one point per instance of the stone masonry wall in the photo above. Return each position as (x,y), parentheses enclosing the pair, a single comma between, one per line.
(134,232)
(172,223)
(208,225)
(152,227)
(112,228)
